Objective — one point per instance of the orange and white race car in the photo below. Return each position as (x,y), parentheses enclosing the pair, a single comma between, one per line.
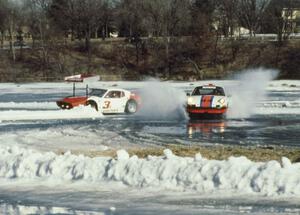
(207,101)
(106,101)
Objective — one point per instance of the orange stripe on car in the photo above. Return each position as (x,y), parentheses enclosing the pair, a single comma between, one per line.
(206,101)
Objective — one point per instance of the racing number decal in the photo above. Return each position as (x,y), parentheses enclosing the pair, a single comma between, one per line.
(106,105)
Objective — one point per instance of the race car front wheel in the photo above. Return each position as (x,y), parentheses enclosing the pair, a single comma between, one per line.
(131,107)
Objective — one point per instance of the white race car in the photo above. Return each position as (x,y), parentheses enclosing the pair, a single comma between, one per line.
(207,101)
(113,101)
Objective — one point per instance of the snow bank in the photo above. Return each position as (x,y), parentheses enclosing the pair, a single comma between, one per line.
(235,175)
(76,113)
(29,105)
(22,209)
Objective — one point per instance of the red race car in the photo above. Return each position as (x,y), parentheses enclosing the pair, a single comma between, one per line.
(74,101)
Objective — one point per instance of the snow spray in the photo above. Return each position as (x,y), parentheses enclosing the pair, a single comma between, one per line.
(161,101)
(249,90)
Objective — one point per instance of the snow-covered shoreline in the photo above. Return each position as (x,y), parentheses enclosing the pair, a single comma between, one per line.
(235,175)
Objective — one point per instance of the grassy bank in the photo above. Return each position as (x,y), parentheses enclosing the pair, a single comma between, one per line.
(211,152)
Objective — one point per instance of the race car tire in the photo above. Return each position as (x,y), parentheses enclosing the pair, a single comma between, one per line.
(131,107)
(93,104)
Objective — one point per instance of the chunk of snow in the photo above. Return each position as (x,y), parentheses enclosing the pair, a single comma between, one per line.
(122,155)
(286,163)
(168,154)
(198,157)
(112,208)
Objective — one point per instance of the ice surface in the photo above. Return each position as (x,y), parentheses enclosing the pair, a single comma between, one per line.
(64,138)
(277,111)
(76,113)
(235,175)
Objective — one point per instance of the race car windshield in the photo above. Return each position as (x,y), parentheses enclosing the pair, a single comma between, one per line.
(208,91)
(98,92)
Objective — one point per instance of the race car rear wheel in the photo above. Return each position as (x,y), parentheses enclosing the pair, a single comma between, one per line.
(93,104)
(131,107)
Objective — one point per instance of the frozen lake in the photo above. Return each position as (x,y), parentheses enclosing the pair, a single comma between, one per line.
(30,120)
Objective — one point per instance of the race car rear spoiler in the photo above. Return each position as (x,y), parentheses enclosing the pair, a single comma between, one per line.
(82,78)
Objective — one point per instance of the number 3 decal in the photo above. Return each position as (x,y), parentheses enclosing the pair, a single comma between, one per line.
(106,105)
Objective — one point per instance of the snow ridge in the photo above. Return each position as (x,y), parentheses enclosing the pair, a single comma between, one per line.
(29,105)
(237,174)
(81,112)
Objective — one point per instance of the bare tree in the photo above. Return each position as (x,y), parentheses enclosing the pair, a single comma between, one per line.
(130,17)
(131,23)
(227,16)
(107,19)
(40,28)
(250,13)
(167,19)
(12,19)
(3,19)
(284,16)
(205,30)
(82,16)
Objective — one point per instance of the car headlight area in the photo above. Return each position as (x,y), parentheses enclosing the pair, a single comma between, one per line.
(191,101)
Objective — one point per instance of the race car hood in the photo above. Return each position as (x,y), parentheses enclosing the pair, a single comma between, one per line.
(208,101)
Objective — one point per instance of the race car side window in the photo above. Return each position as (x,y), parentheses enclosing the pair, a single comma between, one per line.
(113,94)
(98,92)
(219,91)
(196,92)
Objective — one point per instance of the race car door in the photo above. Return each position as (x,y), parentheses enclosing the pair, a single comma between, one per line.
(114,102)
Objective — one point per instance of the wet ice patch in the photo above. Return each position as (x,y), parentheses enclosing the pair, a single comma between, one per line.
(164,130)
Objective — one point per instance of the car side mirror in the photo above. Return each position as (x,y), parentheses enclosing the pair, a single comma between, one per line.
(188,94)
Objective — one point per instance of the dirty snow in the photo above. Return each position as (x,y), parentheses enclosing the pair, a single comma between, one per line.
(235,175)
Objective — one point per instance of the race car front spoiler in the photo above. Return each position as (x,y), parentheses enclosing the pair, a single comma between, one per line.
(196,110)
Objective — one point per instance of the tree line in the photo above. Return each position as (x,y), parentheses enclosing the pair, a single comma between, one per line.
(204,22)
